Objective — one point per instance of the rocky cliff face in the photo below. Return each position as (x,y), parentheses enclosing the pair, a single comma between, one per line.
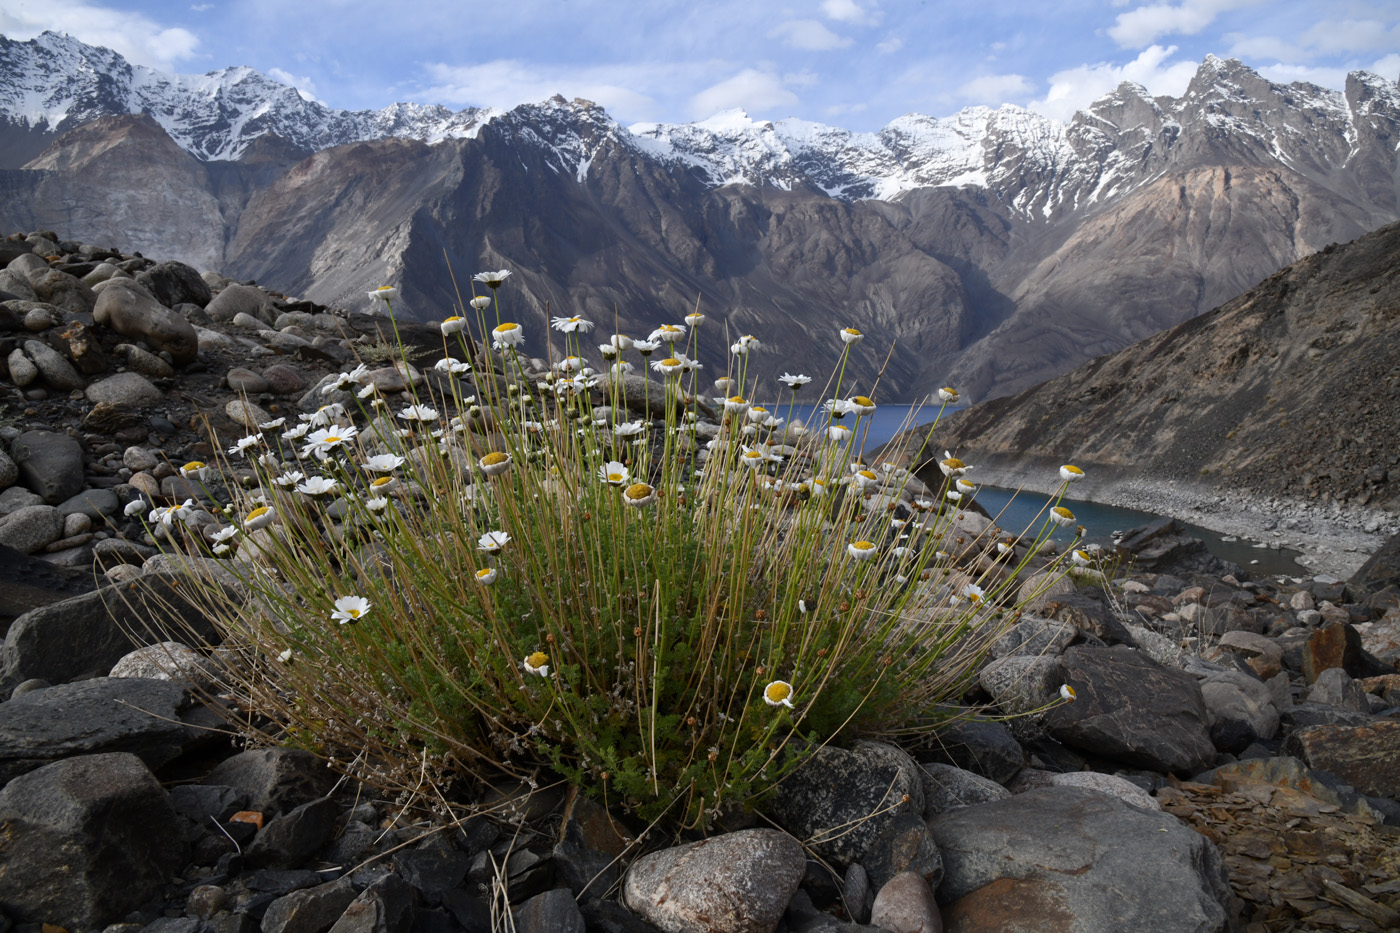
(1290,390)
(995,248)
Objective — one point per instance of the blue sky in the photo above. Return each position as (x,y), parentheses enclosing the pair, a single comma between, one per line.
(851,63)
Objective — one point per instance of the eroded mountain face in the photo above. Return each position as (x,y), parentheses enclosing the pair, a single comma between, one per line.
(993,248)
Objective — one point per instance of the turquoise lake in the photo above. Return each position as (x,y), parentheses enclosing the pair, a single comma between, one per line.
(1016,511)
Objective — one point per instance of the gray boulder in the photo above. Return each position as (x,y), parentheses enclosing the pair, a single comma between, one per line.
(174,283)
(1078,861)
(735,883)
(31,529)
(23,372)
(141,717)
(1133,710)
(9,472)
(126,389)
(53,366)
(981,746)
(50,464)
(86,840)
(132,313)
(947,788)
(235,300)
(63,291)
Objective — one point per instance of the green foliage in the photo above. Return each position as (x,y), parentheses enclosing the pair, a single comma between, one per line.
(673,641)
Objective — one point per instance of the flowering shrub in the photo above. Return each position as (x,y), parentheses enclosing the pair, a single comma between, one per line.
(508,569)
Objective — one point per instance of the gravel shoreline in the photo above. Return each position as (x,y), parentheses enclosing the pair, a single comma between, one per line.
(1332,539)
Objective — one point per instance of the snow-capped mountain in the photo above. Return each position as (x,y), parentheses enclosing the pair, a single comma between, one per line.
(997,246)
(55,82)
(1037,166)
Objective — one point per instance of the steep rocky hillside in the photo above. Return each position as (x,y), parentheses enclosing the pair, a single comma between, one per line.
(1291,390)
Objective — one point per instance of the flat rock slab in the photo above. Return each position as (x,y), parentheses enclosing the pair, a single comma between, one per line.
(28,582)
(85,635)
(141,717)
(1133,710)
(1076,861)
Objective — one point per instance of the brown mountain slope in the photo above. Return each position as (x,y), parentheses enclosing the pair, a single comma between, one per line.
(1291,390)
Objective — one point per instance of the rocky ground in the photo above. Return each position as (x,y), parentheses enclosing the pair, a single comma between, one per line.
(1232,758)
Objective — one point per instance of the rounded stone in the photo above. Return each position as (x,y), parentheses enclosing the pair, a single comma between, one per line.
(22,369)
(246,414)
(129,389)
(139,458)
(735,883)
(245,381)
(284,380)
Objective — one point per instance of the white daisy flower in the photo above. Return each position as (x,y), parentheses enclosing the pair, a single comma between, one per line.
(492,541)
(537,664)
(350,609)
(778,693)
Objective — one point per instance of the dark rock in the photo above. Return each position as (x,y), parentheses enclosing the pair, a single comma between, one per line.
(203,803)
(84,636)
(1304,714)
(1365,756)
(551,912)
(174,283)
(289,839)
(310,910)
(586,872)
(1382,569)
(432,867)
(387,906)
(1066,858)
(96,504)
(842,800)
(234,300)
(978,745)
(49,464)
(141,717)
(905,845)
(1163,546)
(284,379)
(1133,710)
(84,840)
(275,780)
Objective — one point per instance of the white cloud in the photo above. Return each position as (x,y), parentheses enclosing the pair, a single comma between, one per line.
(1075,88)
(890,45)
(505,83)
(750,89)
(848,11)
(1351,35)
(1263,47)
(1387,67)
(1146,24)
(995,90)
(808,34)
(201,7)
(1321,76)
(132,35)
(303,85)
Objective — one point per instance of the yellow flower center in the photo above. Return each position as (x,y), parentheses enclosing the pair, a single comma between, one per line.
(670,361)
(382,481)
(353,613)
(852,331)
(777,691)
(1063,512)
(257,513)
(494,457)
(638,491)
(538,659)
(953,463)
(863,401)
(863,546)
(505,328)
(195,465)
(615,477)
(737,399)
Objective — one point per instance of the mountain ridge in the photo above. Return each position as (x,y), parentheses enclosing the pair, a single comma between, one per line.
(995,246)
